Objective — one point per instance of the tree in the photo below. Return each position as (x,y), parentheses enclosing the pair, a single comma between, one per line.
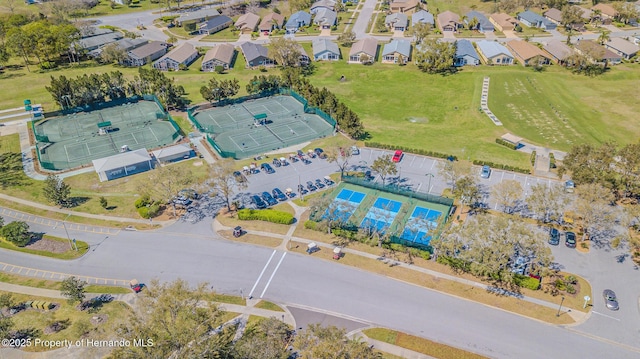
(548,203)
(112,53)
(331,213)
(103,202)
(467,189)
(265,84)
(604,36)
(167,182)
(626,11)
(6,326)
(507,194)
(571,15)
(473,23)
(594,206)
(384,166)
(74,289)
(296,5)
(223,181)
(347,38)
(452,171)
(286,52)
(177,323)
(331,342)
(436,56)
(11,171)
(508,6)
(56,191)
(220,90)
(266,339)
(628,166)
(589,164)
(341,157)
(365,59)
(16,233)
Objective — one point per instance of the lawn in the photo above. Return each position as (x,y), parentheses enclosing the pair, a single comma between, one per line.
(82,247)
(55,285)
(228,34)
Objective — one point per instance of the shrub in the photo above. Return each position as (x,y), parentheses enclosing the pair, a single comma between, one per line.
(143,201)
(219,69)
(16,233)
(103,202)
(48,65)
(454,263)
(571,289)
(527,282)
(416,151)
(144,212)
(533,158)
(345,233)
(261,68)
(313,225)
(501,166)
(552,160)
(504,143)
(189,26)
(268,215)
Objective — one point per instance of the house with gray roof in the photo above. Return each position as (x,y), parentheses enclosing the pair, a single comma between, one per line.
(325,49)
(123,164)
(622,47)
(197,16)
(146,53)
(214,25)
(494,53)
(465,54)
(325,18)
(256,55)
(397,51)
(271,22)
(531,19)
(96,41)
(483,25)
(558,51)
(424,17)
(183,55)
(597,53)
(88,31)
(397,21)
(297,20)
(363,51)
(247,23)
(322,4)
(219,55)
(124,44)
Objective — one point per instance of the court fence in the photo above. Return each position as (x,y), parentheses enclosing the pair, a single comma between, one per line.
(398,190)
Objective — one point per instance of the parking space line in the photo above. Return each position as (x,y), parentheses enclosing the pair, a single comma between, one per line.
(433,163)
(419,185)
(413,159)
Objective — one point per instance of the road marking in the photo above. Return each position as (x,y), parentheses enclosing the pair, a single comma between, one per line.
(604,315)
(433,163)
(261,274)
(419,185)
(423,159)
(413,159)
(502,177)
(273,274)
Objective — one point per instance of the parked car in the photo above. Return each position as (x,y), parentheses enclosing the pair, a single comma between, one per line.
(310,186)
(397,157)
(570,239)
(554,236)
(300,154)
(267,197)
(267,168)
(306,161)
(258,202)
(328,181)
(240,178)
(277,193)
(355,150)
(569,186)
(302,190)
(311,154)
(369,176)
(276,162)
(485,172)
(319,183)
(320,153)
(610,299)
(182,200)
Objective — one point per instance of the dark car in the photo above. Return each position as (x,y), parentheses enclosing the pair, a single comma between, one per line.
(328,181)
(368,176)
(239,177)
(610,299)
(267,197)
(310,186)
(267,168)
(277,193)
(259,203)
(276,162)
(570,239)
(182,200)
(300,153)
(319,183)
(554,236)
(302,190)
(306,161)
(320,152)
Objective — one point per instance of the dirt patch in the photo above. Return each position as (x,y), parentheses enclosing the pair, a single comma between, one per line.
(49,245)
(99,319)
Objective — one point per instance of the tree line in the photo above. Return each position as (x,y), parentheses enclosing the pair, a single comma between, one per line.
(88,90)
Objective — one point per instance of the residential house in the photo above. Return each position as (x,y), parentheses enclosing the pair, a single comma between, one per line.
(526,53)
(531,19)
(94,42)
(554,15)
(197,16)
(397,51)
(622,47)
(449,21)
(304,59)
(247,23)
(182,55)
(597,53)
(88,31)
(607,11)
(466,54)
(256,55)
(325,49)
(270,22)
(322,4)
(503,22)
(219,55)
(558,50)
(585,14)
(483,24)
(124,44)
(494,53)
(363,51)
(403,6)
(424,17)
(325,18)
(146,53)
(396,21)
(297,20)
(214,25)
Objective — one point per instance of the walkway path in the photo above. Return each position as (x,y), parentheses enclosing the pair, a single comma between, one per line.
(484,102)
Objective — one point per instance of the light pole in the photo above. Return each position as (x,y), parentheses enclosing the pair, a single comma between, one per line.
(430,175)
(65,230)
(560,307)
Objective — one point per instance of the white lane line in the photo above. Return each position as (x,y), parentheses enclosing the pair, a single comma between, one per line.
(502,177)
(273,274)
(422,163)
(419,185)
(432,164)
(604,315)
(413,159)
(261,273)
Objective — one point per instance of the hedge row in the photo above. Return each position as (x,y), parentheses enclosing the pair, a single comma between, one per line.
(416,151)
(268,215)
(504,143)
(149,212)
(501,166)
(532,158)
(527,282)
(552,160)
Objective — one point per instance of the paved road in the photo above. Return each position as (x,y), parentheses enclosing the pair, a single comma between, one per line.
(362,22)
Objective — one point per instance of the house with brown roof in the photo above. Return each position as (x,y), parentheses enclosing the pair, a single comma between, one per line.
(247,23)
(219,55)
(622,47)
(526,53)
(183,55)
(606,10)
(364,51)
(558,50)
(554,15)
(449,21)
(271,22)
(403,6)
(503,22)
(597,53)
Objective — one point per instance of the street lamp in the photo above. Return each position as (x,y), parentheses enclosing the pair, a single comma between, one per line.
(430,175)
(67,232)
(560,307)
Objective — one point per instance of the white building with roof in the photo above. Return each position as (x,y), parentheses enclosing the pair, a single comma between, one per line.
(123,164)
(174,153)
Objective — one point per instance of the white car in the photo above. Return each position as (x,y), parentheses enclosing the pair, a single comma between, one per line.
(485,172)
(355,150)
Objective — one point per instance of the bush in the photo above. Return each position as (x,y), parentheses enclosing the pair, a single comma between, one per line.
(410,150)
(149,212)
(504,143)
(313,225)
(501,166)
(143,201)
(103,202)
(16,233)
(48,65)
(552,160)
(219,69)
(527,282)
(454,263)
(268,215)
(571,289)
(345,233)
(533,158)
(189,26)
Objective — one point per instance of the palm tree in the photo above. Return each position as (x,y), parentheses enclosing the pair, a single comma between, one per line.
(473,23)
(604,36)
(569,34)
